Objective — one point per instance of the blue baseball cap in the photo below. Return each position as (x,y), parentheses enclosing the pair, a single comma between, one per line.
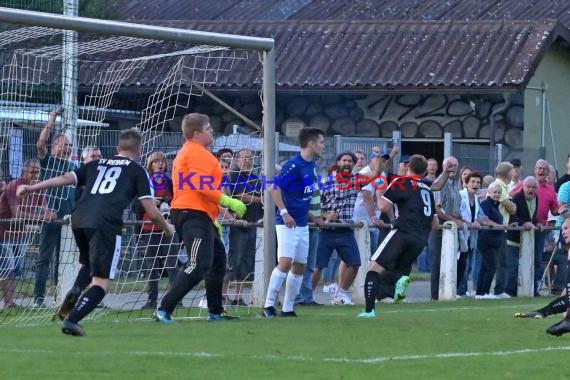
(383,154)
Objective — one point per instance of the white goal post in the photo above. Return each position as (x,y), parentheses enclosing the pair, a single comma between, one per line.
(263,45)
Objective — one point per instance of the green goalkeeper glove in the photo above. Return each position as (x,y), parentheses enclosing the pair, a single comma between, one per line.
(235,205)
(218,226)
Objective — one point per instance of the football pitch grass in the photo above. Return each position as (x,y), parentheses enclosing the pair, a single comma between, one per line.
(467,339)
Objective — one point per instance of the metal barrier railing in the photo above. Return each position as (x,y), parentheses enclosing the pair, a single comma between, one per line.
(449,249)
(448,268)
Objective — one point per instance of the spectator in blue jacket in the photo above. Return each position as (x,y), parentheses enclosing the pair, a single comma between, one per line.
(489,242)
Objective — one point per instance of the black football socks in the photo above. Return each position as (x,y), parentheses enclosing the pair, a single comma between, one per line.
(370,289)
(86,304)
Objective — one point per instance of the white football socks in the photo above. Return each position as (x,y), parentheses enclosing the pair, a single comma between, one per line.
(275,283)
(292,287)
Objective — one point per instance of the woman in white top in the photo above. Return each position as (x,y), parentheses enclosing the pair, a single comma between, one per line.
(473,216)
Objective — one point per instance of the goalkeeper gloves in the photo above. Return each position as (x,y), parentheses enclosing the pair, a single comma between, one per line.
(218,226)
(235,205)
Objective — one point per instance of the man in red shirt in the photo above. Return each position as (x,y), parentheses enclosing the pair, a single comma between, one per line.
(13,240)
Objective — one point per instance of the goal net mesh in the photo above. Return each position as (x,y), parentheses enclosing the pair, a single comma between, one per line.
(122,82)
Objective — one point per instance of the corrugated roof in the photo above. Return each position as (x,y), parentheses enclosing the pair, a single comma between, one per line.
(386,54)
(419,10)
(380,43)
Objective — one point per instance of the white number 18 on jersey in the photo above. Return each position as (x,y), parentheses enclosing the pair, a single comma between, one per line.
(106,179)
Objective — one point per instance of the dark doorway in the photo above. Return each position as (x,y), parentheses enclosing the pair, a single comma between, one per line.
(429,149)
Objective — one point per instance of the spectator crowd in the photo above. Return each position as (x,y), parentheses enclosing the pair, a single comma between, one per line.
(509,196)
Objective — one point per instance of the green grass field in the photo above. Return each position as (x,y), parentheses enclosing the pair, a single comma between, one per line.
(466,339)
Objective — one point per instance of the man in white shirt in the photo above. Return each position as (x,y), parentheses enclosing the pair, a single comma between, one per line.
(366,208)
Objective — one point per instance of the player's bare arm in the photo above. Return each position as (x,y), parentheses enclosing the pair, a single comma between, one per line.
(62,180)
(386,208)
(278,199)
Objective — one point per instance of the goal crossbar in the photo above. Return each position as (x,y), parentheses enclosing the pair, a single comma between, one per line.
(84,24)
(265,45)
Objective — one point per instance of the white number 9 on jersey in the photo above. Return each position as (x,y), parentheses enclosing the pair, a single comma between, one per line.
(427,202)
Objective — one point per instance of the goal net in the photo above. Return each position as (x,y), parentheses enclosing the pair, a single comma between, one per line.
(122,82)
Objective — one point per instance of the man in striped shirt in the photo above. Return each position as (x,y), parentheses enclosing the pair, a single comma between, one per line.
(337,202)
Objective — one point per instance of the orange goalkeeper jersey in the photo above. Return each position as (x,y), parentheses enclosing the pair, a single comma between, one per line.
(196,176)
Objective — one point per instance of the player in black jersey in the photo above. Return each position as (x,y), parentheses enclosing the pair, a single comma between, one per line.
(110,184)
(415,219)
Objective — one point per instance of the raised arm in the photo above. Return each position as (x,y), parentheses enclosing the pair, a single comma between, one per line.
(440,181)
(41,145)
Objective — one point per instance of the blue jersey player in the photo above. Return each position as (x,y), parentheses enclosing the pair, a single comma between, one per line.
(292,196)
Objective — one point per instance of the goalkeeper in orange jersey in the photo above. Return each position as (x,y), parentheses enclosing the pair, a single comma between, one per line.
(197,180)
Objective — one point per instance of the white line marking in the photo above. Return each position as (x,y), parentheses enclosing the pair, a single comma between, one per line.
(167,353)
(112,353)
(447,355)
(467,308)
(25,351)
(208,355)
(392,309)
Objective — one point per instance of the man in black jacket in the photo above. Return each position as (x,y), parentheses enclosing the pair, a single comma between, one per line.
(526,201)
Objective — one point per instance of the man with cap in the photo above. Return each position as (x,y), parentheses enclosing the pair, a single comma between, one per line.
(338,197)
(515,174)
